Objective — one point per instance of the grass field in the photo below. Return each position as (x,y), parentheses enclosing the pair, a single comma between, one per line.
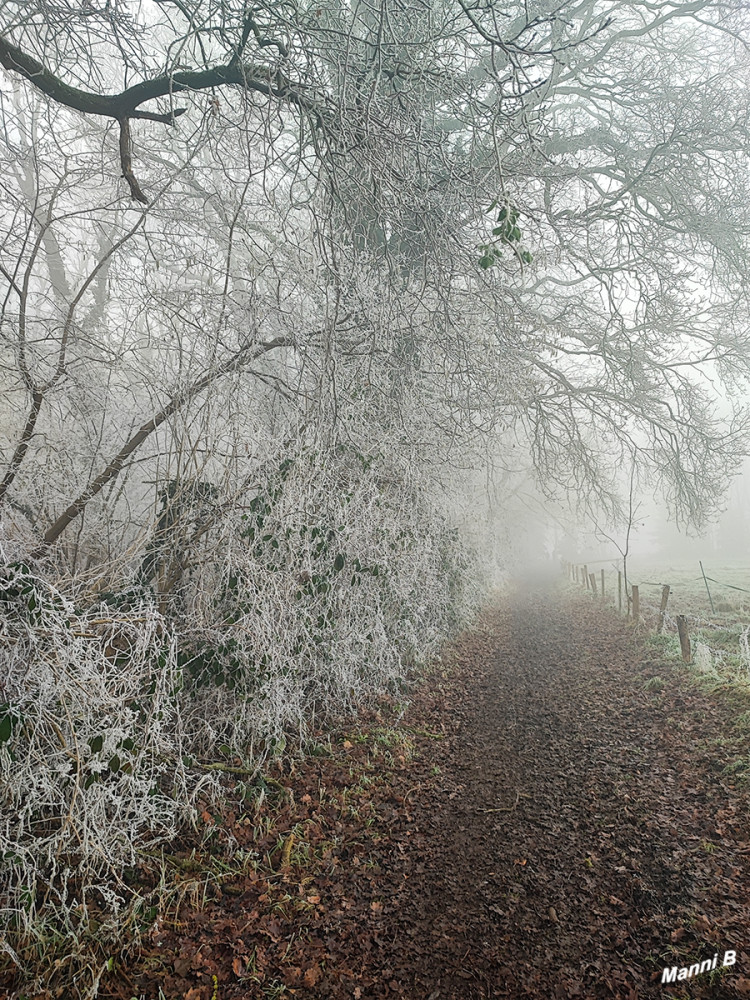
(719,626)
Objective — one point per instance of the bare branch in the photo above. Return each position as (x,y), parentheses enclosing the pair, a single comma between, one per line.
(127,162)
(250,353)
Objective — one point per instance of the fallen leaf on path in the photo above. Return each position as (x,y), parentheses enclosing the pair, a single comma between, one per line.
(312,975)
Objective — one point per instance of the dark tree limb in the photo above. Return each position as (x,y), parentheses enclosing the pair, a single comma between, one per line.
(116,106)
(115,465)
(127,104)
(127,163)
(249,27)
(11,281)
(37,398)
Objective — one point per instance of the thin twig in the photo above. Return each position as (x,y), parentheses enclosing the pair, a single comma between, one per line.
(505,809)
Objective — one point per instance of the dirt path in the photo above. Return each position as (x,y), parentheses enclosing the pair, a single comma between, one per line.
(570,835)
(571,847)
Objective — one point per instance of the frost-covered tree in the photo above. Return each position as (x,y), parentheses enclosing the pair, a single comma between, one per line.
(365,143)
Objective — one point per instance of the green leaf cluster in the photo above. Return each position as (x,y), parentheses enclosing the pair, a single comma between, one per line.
(121,762)
(314,553)
(24,596)
(10,719)
(507,233)
(206,664)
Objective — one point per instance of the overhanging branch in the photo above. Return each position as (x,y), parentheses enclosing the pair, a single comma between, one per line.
(127,104)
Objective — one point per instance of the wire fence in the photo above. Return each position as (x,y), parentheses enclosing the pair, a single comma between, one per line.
(716,644)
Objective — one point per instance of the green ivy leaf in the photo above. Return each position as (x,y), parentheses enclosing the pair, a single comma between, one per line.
(6,728)
(338,562)
(96,743)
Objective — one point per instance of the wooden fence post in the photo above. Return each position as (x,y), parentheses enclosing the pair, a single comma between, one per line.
(636,604)
(592,578)
(619,591)
(663,607)
(586,576)
(682,631)
(602,586)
